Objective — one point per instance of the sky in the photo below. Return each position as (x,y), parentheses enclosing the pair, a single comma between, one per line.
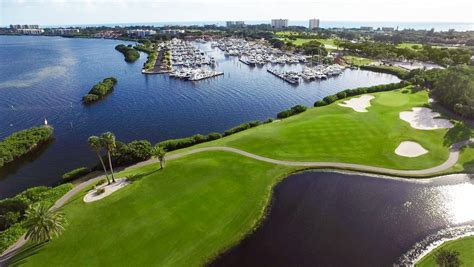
(76,12)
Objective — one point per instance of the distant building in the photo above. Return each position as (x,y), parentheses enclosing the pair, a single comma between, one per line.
(279,23)
(64,31)
(140,33)
(367,28)
(171,32)
(237,23)
(388,29)
(313,24)
(27,29)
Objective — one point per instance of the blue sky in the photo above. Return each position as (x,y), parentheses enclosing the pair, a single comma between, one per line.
(63,12)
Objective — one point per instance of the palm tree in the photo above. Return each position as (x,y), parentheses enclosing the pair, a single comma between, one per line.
(96,144)
(160,153)
(43,224)
(108,140)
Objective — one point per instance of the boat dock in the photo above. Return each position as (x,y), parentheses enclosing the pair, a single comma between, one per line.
(289,77)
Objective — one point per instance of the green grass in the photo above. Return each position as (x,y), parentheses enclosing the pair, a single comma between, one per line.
(328,43)
(202,204)
(465,247)
(358,61)
(413,46)
(179,216)
(339,134)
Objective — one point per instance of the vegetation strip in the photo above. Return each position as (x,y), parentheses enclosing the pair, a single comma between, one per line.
(23,142)
(130,54)
(100,90)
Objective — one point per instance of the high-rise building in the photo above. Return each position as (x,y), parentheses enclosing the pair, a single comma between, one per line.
(313,24)
(279,23)
(237,23)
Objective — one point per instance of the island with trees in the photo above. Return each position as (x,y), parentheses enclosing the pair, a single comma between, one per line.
(23,142)
(130,54)
(100,90)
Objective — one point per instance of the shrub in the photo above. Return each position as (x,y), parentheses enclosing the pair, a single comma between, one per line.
(100,90)
(359,91)
(405,91)
(269,120)
(76,173)
(23,142)
(239,128)
(330,98)
(292,111)
(320,103)
(130,54)
(100,191)
(341,95)
(133,152)
(100,182)
(89,98)
(10,236)
(214,136)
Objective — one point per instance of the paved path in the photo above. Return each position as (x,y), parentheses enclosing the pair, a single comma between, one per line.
(451,161)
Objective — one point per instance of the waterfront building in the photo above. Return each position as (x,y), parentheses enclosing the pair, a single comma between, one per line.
(140,33)
(279,23)
(367,28)
(64,31)
(313,24)
(27,29)
(172,32)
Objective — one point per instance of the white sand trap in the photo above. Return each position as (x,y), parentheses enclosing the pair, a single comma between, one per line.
(424,119)
(359,104)
(109,189)
(410,149)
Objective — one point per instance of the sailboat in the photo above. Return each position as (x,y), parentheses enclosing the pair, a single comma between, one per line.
(45,122)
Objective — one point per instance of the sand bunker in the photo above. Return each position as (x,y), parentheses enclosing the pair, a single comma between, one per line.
(359,104)
(424,119)
(109,189)
(410,149)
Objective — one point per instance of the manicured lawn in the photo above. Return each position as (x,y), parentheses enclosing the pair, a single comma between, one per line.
(339,134)
(358,61)
(201,204)
(179,216)
(328,43)
(413,46)
(464,246)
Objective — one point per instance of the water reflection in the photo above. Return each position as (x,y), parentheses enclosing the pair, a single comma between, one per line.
(347,219)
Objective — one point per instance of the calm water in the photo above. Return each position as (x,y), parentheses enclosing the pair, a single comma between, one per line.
(45,77)
(346,219)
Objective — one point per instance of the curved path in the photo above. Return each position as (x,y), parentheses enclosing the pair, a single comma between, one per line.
(451,161)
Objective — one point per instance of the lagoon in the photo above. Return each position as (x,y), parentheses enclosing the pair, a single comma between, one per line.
(45,78)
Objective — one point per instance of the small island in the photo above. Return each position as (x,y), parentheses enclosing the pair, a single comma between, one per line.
(100,90)
(130,54)
(23,142)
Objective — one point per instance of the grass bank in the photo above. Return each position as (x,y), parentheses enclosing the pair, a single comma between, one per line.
(182,215)
(465,247)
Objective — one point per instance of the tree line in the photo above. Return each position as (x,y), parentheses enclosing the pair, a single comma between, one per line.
(379,50)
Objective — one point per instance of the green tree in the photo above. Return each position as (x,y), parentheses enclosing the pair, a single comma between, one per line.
(160,154)
(43,224)
(447,258)
(96,144)
(108,140)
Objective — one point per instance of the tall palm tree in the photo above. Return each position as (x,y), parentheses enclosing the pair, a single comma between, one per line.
(108,140)
(96,144)
(160,153)
(43,224)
